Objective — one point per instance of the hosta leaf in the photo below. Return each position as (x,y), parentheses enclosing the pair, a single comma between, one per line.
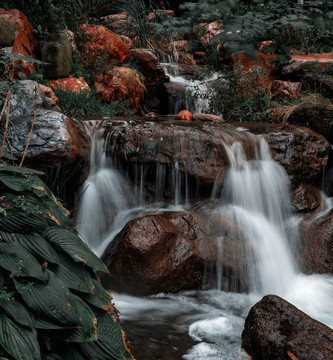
(34,243)
(14,182)
(20,222)
(100,298)
(20,262)
(110,344)
(51,301)
(74,275)
(18,170)
(87,331)
(46,324)
(17,312)
(21,343)
(74,247)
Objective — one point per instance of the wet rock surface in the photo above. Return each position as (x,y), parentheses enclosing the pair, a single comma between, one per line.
(305,198)
(302,152)
(199,151)
(55,138)
(317,116)
(275,329)
(173,251)
(315,245)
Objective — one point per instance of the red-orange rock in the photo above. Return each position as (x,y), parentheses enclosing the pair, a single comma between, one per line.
(24,38)
(48,92)
(101,43)
(71,84)
(120,83)
(120,24)
(281,88)
(127,41)
(184,115)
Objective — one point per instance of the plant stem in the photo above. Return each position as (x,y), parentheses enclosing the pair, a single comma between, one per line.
(32,126)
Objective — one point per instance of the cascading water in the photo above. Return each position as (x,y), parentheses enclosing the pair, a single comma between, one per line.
(190,94)
(256,192)
(255,198)
(106,196)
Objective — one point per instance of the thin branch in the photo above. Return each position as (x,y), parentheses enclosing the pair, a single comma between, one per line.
(32,126)
(8,98)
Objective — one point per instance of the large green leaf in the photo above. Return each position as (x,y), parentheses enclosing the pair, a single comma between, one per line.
(87,331)
(19,342)
(110,344)
(34,243)
(15,182)
(17,260)
(52,301)
(74,247)
(46,324)
(17,312)
(100,298)
(20,222)
(74,275)
(18,170)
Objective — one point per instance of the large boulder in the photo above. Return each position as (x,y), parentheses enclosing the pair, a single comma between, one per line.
(120,84)
(153,79)
(98,43)
(315,245)
(24,38)
(302,152)
(317,116)
(170,252)
(300,64)
(57,53)
(55,139)
(150,67)
(199,152)
(121,24)
(276,330)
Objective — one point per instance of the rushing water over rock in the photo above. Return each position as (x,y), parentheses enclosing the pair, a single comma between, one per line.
(186,92)
(255,200)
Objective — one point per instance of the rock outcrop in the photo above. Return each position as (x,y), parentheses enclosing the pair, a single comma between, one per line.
(314,252)
(317,116)
(302,152)
(275,329)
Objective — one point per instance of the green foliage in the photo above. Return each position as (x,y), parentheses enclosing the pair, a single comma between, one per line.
(240,96)
(44,15)
(86,103)
(52,305)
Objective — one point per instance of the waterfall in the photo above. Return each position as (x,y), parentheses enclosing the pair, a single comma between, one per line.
(256,200)
(186,93)
(105,197)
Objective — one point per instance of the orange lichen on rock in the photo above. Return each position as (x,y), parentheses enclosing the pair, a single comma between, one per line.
(24,39)
(120,84)
(71,84)
(100,41)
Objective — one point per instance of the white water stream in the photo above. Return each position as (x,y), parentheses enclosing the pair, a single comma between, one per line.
(256,200)
(195,94)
